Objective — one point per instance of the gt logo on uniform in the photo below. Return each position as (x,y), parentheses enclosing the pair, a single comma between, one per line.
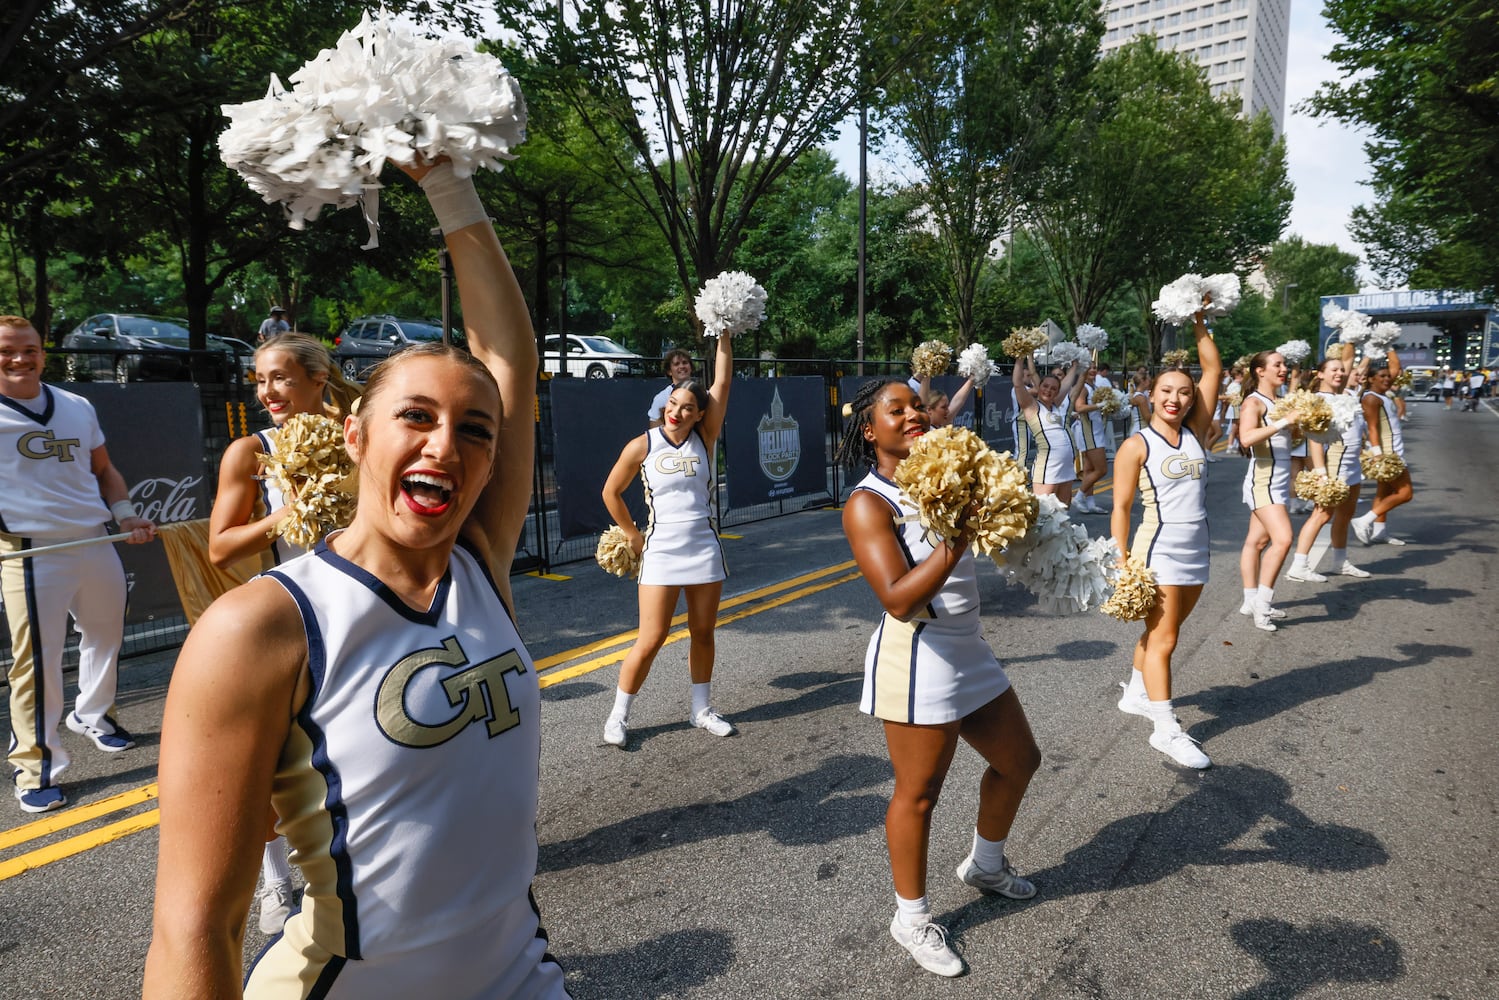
(44,444)
(669,462)
(478,693)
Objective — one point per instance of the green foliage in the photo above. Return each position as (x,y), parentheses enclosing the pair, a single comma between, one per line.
(1422,78)
(1300,273)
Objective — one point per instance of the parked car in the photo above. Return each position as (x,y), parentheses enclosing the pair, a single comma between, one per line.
(244,356)
(368,340)
(592,357)
(129,347)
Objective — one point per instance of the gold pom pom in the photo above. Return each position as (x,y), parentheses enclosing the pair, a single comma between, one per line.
(310,466)
(1381,468)
(1402,381)
(1234,397)
(1107,400)
(1024,341)
(1176,359)
(1324,491)
(931,358)
(615,554)
(1134,592)
(953,479)
(1315,411)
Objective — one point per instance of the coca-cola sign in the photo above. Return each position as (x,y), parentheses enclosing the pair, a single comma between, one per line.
(166,500)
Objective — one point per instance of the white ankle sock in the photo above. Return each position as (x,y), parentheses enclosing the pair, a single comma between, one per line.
(911,912)
(1136,686)
(622,704)
(1376,529)
(1298,561)
(988,854)
(1338,557)
(1249,595)
(701,698)
(1163,717)
(1263,596)
(274,866)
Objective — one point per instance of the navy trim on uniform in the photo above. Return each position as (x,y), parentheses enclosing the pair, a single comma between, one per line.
(44,417)
(874,662)
(915,662)
(265,495)
(324,984)
(900,539)
(391,599)
(38,664)
(338,813)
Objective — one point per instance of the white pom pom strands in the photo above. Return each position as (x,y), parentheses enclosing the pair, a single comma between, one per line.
(1057,562)
(1345,410)
(1353,327)
(383,92)
(1092,338)
(1383,336)
(973,363)
(1294,351)
(1067,352)
(730,303)
(1184,298)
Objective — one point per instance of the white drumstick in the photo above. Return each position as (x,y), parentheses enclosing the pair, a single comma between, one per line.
(101,540)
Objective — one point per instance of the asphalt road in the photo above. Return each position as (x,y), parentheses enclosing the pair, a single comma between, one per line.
(1341,846)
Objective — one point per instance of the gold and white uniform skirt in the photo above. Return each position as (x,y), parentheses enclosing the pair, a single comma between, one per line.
(1177,553)
(930,671)
(682,553)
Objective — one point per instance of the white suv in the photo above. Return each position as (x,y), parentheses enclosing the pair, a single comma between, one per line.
(591,357)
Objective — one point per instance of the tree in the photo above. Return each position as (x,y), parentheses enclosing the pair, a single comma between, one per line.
(1422,76)
(717,101)
(981,113)
(1300,273)
(1157,179)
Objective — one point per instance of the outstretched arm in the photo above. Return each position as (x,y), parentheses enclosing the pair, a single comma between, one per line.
(498,326)
(1024,401)
(1201,417)
(718,393)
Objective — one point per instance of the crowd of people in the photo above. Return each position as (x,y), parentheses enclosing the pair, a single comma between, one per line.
(315,705)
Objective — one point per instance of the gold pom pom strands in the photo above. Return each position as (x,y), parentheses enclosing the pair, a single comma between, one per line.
(1322,490)
(1134,592)
(1024,341)
(1381,468)
(1107,400)
(310,466)
(931,358)
(615,554)
(954,479)
(1315,413)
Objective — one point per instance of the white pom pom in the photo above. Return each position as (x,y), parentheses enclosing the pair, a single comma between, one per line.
(382,92)
(1294,351)
(1224,290)
(973,362)
(1345,410)
(1354,329)
(1180,300)
(1384,336)
(1065,353)
(1334,315)
(1058,562)
(1092,337)
(730,303)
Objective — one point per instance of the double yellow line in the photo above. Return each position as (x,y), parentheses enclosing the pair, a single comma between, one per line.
(552,669)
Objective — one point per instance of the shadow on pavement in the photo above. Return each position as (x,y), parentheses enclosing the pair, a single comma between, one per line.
(1233,705)
(804,809)
(668,965)
(1297,959)
(1229,804)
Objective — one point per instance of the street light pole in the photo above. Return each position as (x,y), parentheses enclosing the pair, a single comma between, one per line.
(1285,297)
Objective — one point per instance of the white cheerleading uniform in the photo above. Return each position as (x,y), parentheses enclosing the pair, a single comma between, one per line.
(1390,437)
(51,495)
(1090,432)
(407,789)
(937,667)
(1053,459)
(1173,535)
(1135,426)
(1022,434)
(1267,481)
(272,499)
(681,533)
(1343,454)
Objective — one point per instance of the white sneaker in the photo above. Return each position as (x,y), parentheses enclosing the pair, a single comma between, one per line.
(615,730)
(1363,529)
(927,943)
(1392,540)
(1132,703)
(1248,610)
(713,723)
(275,906)
(1348,569)
(1264,621)
(1181,748)
(1305,574)
(1001,883)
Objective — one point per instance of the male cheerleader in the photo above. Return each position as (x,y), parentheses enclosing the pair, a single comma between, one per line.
(57,485)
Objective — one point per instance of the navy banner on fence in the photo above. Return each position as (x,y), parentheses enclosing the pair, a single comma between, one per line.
(154,433)
(592,421)
(775,440)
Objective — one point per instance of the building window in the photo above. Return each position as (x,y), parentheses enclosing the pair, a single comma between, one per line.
(1174,19)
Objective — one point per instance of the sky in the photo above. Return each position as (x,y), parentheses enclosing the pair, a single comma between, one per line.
(1325,159)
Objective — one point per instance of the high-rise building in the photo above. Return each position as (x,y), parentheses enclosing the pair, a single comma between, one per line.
(1240,44)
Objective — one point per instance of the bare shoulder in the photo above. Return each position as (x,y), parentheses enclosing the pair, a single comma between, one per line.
(254,629)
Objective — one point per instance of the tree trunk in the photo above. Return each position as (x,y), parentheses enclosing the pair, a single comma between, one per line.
(195,271)
(41,313)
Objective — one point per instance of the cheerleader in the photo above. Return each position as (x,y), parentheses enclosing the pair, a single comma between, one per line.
(1340,459)
(679,549)
(1139,405)
(1045,414)
(939,406)
(1267,487)
(929,676)
(1091,442)
(1295,505)
(293,374)
(1382,420)
(1230,411)
(1166,463)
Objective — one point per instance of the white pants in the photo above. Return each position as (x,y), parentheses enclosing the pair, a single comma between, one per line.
(40,593)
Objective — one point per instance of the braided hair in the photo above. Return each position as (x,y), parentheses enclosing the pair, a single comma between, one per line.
(854,451)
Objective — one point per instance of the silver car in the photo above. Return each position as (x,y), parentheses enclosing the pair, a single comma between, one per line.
(591,356)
